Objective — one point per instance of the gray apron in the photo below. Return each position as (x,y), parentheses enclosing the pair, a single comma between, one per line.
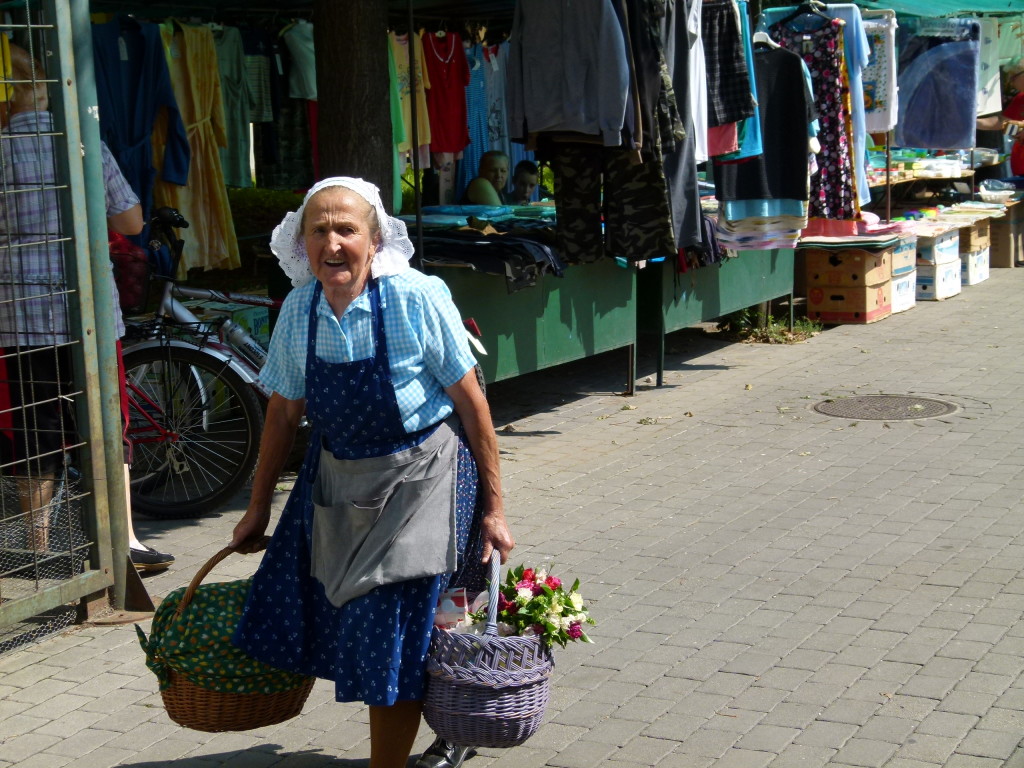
(386,519)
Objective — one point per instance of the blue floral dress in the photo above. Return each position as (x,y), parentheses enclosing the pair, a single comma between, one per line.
(373,647)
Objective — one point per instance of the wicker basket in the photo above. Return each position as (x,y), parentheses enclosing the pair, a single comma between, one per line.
(487,691)
(201,709)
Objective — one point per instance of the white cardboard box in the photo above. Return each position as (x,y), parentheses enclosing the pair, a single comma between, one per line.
(940,248)
(904,291)
(974,268)
(938,281)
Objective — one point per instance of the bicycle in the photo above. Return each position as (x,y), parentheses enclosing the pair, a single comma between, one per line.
(194,394)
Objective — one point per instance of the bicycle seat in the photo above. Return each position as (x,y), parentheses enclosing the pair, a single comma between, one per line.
(168,217)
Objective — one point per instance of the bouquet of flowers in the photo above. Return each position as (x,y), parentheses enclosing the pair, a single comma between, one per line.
(533,602)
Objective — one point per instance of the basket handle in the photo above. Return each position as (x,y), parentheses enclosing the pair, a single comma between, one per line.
(492,594)
(201,574)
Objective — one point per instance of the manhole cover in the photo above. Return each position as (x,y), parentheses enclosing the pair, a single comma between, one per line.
(886,408)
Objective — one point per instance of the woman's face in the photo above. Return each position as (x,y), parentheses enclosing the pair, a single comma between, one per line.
(495,170)
(339,237)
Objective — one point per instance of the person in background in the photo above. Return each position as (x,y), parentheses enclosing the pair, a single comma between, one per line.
(34,333)
(399,496)
(1012,115)
(488,188)
(524,183)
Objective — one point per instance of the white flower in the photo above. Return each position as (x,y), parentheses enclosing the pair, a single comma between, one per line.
(576,600)
(504,630)
(523,596)
(553,618)
(567,621)
(540,576)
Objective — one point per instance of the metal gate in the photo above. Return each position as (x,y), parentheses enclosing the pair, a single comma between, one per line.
(62,501)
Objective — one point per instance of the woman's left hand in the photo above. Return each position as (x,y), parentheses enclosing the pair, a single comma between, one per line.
(495,534)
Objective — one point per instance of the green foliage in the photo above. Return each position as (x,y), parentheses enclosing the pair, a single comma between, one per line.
(256,211)
(752,325)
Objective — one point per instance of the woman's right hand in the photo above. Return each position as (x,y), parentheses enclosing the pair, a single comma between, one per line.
(250,532)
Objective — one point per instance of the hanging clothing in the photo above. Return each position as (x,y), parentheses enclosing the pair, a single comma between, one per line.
(476,119)
(192,60)
(856,52)
(1011,39)
(133,89)
(990,91)
(407,86)
(373,647)
(697,86)
(938,76)
(495,68)
(302,75)
(448,73)
(728,80)
(234,89)
(567,70)
(832,194)
(749,130)
(256,44)
(881,96)
(397,131)
(786,107)
(680,162)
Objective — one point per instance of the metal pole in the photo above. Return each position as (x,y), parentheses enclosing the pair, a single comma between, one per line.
(94,259)
(415,142)
(888,177)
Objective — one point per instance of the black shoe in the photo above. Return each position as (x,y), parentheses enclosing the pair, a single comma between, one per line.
(148,559)
(444,754)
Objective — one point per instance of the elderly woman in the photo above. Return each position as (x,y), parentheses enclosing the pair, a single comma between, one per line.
(400,487)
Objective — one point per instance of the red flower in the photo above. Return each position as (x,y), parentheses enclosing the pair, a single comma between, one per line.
(528,575)
(575,631)
(538,628)
(554,582)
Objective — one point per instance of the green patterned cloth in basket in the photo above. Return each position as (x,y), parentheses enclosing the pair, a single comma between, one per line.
(198,645)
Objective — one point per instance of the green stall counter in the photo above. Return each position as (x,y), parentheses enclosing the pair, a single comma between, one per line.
(669,301)
(592,309)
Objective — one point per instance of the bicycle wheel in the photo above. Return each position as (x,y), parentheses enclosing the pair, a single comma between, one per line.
(195,427)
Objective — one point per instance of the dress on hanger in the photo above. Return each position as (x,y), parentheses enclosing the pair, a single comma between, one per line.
(234,89)
(192,58)
(832,188)
(133,88)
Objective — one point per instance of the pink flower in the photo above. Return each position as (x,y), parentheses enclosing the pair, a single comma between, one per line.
(554,582)
(575,631)
(524,584)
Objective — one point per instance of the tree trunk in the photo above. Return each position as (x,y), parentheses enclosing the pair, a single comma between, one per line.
(353,91)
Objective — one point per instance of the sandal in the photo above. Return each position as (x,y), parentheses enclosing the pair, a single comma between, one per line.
(444,754)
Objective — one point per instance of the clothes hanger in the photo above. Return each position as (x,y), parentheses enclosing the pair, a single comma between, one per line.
(763,37)
(809,8)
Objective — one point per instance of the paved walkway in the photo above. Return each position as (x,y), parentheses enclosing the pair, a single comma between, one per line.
(774,587)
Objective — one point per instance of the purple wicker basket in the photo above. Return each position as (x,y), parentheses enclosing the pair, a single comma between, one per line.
(487,691)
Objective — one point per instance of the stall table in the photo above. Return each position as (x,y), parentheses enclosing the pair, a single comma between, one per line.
(592,309)
(669,301)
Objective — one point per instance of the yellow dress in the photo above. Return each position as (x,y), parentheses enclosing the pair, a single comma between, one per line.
(400,51)
(210,241)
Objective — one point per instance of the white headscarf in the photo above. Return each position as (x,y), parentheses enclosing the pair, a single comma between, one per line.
(288,244)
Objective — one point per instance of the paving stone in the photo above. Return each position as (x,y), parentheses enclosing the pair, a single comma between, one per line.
(928,748)
(822,734)
(996,744)
(865,752)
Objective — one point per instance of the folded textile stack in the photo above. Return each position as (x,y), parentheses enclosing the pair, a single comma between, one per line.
(759,233)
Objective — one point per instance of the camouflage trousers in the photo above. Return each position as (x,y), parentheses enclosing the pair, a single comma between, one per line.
(602,185)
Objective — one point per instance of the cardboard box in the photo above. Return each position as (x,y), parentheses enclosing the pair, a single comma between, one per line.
(834,304)
(1007,237)
(904,257)
(941,248)
(938,281)
(904,291)
(255,320)
(974,267)
(976,236)
(847,266)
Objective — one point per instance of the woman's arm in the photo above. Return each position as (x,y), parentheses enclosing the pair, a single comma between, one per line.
(472,408)
(282,419)
(481,192)
(127,222)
